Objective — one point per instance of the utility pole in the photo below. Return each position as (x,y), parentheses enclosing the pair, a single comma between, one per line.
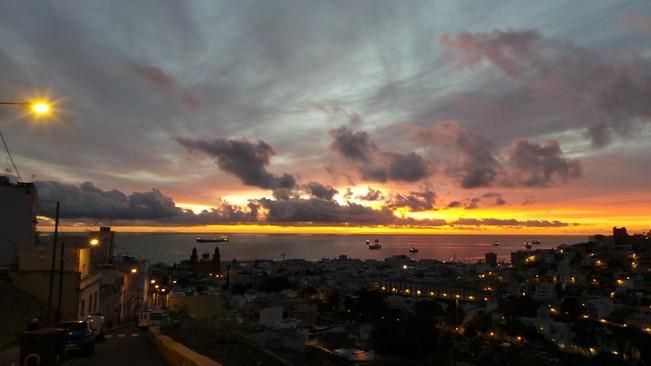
(54,253)
(60,317)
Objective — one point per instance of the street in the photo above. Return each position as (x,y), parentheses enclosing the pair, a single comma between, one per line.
(126,346)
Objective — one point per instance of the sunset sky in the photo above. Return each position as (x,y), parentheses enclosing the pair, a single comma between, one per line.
(334,116)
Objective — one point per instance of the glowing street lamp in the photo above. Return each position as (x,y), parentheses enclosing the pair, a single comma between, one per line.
(93,242)
(40,108)
(134,270)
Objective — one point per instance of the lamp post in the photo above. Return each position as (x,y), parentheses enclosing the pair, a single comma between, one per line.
(39,108)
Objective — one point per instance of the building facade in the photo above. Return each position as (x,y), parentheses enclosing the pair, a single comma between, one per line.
(17,220)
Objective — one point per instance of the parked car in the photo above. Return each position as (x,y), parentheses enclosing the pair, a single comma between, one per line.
(147,319)
(79,335)
(97,323)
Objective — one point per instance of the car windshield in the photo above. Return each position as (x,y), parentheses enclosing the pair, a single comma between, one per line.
(74,326)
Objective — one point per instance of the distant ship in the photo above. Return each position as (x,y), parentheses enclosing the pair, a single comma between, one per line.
(413,250)
(496,243)
(527,245)
(535,242)
(221,239)
(375,245)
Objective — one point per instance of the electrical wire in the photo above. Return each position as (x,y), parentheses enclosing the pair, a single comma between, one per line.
(20,179)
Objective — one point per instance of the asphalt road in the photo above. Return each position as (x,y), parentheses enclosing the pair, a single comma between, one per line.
(122,347)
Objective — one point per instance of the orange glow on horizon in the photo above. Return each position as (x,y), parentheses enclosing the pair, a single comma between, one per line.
(343,230)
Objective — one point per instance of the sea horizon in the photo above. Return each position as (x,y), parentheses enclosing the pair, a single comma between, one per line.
(175,247)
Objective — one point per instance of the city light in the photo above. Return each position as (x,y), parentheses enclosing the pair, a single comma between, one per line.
(598,263)
(134,270)
(93,242)
(152,282)
(530,259)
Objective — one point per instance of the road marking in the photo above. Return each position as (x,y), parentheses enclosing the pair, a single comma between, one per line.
(134,334)
(121,335)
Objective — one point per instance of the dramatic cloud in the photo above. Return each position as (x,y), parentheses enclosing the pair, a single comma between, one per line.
(414,201)
(87,201)
(508,222)
(374,164)
(490,198)
(128,78)
(317,211)
(372,195)
(497,197)
(455,204)
(245,160)
(475,163)
(540,165)
(354,145)
(473,203)
(607,94)
(322,191)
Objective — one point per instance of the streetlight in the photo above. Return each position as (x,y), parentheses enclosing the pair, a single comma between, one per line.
(134,270)
(93,242)
(40,108)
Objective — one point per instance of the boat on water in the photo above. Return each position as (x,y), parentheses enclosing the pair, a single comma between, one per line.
(535,242)
(413,250)
(221,239)
(527,245)
(496,243)
(375,245)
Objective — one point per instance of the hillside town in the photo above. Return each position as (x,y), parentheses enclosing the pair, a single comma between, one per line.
(588,303)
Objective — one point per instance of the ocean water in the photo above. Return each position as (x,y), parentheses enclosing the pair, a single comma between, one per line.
(170,248)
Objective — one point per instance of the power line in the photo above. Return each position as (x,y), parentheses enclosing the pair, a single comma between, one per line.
(20,179)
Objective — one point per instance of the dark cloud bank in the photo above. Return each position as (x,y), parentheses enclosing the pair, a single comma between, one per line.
(559,85)
(376,165)
(87,202)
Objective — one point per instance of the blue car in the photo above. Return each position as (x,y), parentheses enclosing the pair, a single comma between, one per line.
(79,335)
